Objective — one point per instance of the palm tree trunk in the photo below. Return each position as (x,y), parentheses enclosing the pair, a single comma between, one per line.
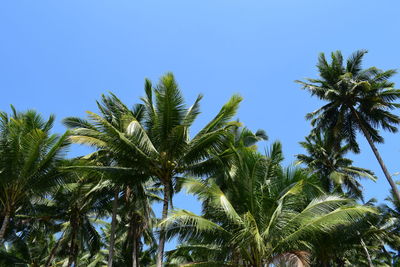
(161,243)
(366,253)
(378,156)
(4,226)
(112,233)
(72,250)
(71,254)
(53,251)
(134,252)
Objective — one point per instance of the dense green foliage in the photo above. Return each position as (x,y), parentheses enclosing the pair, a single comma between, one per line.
(96,209)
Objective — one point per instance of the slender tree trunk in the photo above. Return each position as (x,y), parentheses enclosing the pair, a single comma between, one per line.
(4,226)
(53,251)
(384,169)
(378,157)
(112,233)
(52,254)
(161,243)
(72,250)
(134,252)
(366,253)
(133,234)
(71,254)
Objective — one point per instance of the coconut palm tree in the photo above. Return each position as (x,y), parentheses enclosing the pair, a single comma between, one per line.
(128,183)
(77,206)
(328,161)
(160,146)
(267,215)
(29,159)
(358,100)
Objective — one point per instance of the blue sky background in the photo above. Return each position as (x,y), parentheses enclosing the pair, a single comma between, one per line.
(60,56)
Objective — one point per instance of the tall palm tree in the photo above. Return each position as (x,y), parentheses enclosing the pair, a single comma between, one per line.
(110,163)
(29,160)
(95,162)
(358,100)
(328,161)
(160,146)
(266,215)
(76,206)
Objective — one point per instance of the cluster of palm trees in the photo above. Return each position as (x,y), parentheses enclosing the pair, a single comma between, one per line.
(97,209)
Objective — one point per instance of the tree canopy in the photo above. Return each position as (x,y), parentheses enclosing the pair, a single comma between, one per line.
(97,209)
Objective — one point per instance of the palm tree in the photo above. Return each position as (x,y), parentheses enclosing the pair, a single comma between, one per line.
(358,100)
(266,215)
(161,142)
(111,164)
(93,162)
(77,206)
(328,161)
(29,160)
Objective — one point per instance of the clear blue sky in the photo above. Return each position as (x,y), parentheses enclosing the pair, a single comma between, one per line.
(60,56)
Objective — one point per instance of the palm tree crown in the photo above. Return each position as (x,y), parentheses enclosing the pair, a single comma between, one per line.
(159,145)
(29,159)
(267,214)
(358,100)
(328,161)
